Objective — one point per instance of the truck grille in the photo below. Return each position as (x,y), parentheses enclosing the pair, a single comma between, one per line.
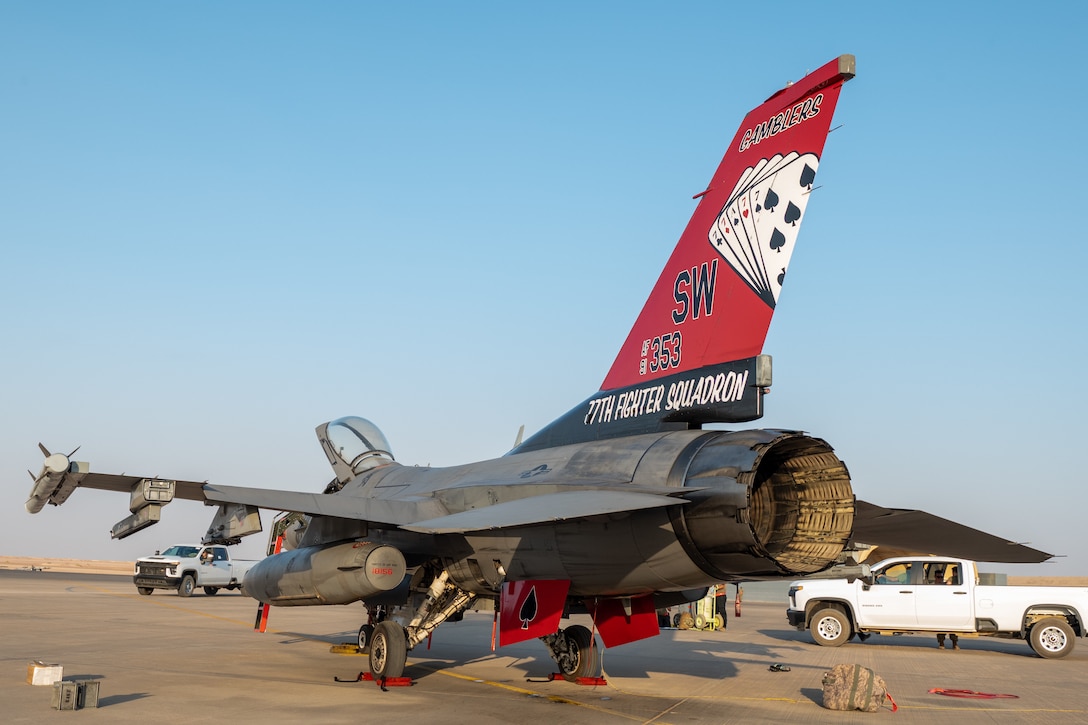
(151,570)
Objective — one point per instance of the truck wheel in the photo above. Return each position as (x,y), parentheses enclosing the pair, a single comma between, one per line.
(830,628)
(211,591)
(187,586)
(146,591)
(1051,638)
(388,650)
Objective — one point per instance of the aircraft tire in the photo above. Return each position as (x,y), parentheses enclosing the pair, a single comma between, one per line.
(366,636)
(1051,638)
(583,659)
(388,650)
(211,591)
(187,586)
(830,628)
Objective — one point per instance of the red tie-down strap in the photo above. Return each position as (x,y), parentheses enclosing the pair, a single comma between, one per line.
(971,694)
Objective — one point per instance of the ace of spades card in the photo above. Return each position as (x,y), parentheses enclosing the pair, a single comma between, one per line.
(756,229)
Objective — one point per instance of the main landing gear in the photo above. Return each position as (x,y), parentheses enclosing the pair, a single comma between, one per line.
(574,649)
(388,640)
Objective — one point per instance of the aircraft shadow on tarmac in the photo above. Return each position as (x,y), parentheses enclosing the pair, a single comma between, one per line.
(671,652)
(334,638)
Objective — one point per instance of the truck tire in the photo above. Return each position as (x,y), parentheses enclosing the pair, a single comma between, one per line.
(187,586)
(830,627)
(211,591)
(146,591)
(1051,638)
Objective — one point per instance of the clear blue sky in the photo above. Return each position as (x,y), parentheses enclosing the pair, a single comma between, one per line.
(225,223)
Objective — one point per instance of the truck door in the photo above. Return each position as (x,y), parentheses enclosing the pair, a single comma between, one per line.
(944,600)
(217,570)
(890,600)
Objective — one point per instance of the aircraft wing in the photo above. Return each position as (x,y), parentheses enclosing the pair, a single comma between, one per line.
(55,487)
(548,508)
(60,477)
(924,533)
(395,512)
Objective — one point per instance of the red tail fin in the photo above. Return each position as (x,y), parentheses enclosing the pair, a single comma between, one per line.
(714,300)
(693,356)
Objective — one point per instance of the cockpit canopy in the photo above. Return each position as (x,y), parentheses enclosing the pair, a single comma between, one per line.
(353,445)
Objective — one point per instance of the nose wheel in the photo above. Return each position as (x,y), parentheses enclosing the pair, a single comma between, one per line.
(388,649)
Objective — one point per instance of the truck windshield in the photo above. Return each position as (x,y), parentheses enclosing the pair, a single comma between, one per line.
(185,552)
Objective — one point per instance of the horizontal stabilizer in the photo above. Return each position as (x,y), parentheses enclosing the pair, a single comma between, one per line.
(548,508)
(923,533)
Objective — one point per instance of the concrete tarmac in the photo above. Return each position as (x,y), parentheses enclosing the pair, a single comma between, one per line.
(165,659)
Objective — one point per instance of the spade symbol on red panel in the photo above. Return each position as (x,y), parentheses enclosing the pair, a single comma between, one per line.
(527,613)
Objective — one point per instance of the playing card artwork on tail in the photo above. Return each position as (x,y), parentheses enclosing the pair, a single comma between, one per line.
(756,229)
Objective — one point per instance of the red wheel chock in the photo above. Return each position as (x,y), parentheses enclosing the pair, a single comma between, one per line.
(382,682)
(590,681)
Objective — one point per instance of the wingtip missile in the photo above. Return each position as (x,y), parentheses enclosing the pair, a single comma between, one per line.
(56,481)
(47,482)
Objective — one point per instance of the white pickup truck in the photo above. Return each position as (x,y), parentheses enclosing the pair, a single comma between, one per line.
(939,595)
(186,567)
